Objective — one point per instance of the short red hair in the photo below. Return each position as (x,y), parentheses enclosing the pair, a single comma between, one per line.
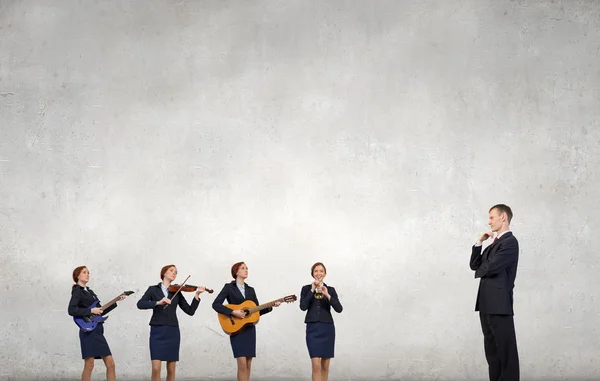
(235,268)
(164,270)
(312,269)
(76,273)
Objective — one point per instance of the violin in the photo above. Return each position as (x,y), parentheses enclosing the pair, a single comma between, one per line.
(187,288)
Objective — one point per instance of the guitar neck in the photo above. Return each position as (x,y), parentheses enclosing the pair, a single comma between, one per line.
(266,305)
(105,306)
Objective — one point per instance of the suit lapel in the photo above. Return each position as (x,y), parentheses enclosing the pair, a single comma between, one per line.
(237,291)
(92,294)
(505,235)
(170,294)
(493,246)
(250,293)
(159,292)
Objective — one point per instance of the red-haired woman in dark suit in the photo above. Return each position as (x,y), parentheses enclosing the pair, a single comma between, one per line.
(165,336)
(243,344)
(93,344)
(317,299)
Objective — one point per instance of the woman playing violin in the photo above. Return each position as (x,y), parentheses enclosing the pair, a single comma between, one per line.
(93,343)
(165,338)
(243,344)
(318,299)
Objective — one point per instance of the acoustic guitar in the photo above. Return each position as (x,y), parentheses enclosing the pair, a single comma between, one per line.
(232,325)
(89,323)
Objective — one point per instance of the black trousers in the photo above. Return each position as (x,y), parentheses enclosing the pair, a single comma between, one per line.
(500,344)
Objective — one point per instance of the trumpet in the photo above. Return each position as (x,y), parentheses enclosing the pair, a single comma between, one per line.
(318,293)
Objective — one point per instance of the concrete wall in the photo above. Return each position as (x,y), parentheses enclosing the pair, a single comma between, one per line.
(372,136)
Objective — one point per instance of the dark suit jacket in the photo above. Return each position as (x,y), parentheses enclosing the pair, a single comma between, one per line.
(497,268)
(81,300)
(233,295)
(319,310)
(165,316)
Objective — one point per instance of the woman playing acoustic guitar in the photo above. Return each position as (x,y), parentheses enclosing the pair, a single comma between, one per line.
(93,344)
(164,327)
(243,343)
(318,298)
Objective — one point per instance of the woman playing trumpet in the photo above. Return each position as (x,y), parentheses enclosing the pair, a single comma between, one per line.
(317,299)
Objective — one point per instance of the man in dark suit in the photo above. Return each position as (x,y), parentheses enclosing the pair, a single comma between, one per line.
(497,269)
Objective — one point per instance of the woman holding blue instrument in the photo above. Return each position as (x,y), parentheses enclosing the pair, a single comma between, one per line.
(318,299)
(165,337)
(93,343)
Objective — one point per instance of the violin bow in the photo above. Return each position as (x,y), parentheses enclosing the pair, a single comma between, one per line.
(180,287)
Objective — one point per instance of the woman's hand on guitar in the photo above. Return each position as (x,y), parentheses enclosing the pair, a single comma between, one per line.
(277,303)
(239,314)
(97,311)
(122,297)
(164,300)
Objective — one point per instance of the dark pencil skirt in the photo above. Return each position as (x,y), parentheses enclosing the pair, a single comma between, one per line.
(93,343)
(320,340)
(164,342)
(244,343)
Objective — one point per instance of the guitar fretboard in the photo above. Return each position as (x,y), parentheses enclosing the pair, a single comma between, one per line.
(110,303)
(263,306)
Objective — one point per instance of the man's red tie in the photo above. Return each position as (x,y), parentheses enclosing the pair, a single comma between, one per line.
(495,239)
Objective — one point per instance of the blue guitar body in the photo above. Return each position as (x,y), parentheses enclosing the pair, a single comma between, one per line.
(89,323)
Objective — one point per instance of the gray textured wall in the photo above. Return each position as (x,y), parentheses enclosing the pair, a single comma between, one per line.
(372,136)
